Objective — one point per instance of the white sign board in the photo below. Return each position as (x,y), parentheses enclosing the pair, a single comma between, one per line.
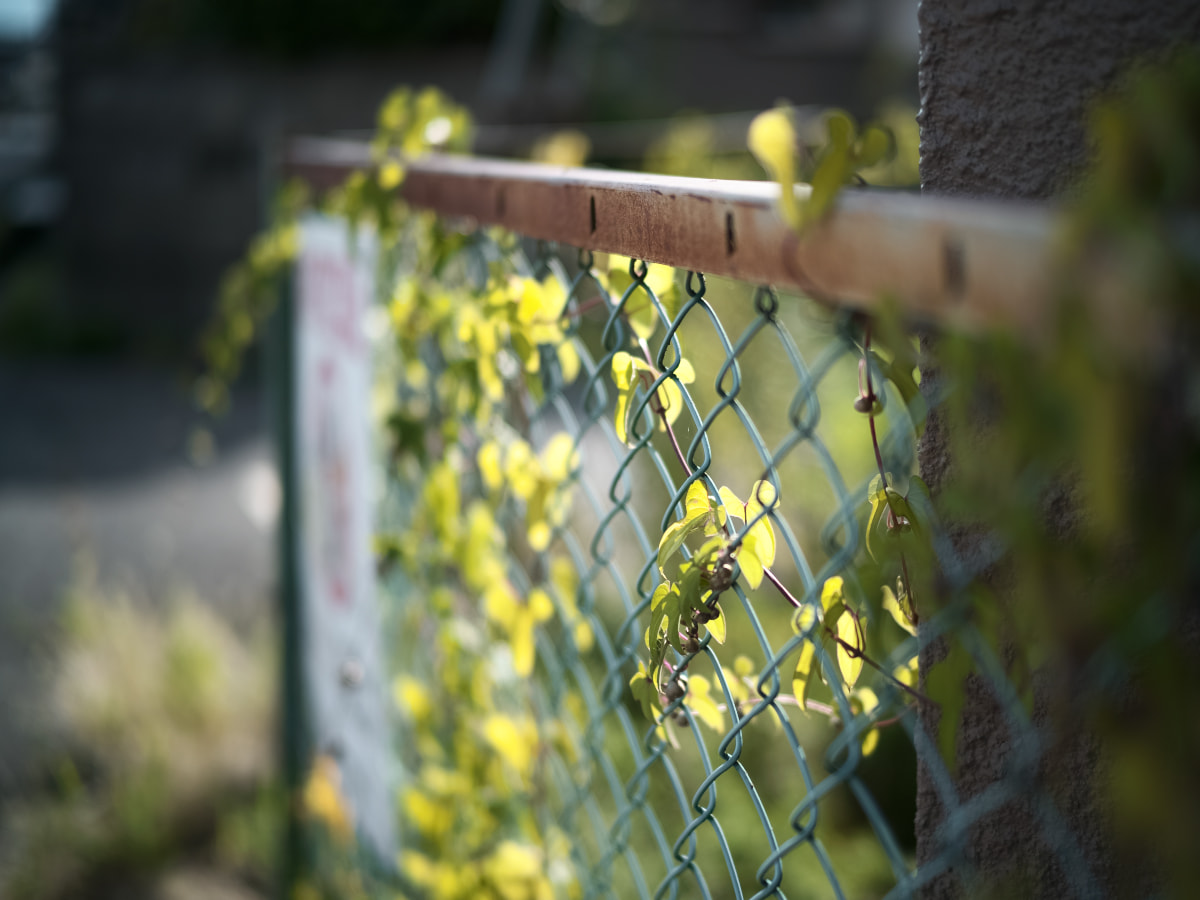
(345,674)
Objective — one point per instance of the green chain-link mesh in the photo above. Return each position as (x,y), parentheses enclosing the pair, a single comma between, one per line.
(775,802)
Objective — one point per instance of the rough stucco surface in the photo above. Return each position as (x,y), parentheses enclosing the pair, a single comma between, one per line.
(1005,86)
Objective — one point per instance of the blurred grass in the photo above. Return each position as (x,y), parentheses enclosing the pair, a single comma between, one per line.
(164,753)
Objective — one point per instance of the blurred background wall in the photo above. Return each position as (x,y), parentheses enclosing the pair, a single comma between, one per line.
(168,110)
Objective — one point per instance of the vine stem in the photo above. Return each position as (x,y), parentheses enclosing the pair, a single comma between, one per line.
(855,652)
(817,706)
(871,399)
(866,363)
(587,306)
(662,410)
(884,723)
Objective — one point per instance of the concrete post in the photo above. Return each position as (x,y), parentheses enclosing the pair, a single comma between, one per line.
(1005,88)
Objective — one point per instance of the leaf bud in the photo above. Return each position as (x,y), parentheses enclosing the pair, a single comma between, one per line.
(674,689)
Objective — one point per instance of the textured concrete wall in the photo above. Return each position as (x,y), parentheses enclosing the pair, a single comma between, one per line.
(1005,87)
(1005,84)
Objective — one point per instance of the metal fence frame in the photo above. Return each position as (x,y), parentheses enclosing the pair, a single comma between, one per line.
(963,264)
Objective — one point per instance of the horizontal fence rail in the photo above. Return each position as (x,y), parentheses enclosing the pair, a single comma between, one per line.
(946,261)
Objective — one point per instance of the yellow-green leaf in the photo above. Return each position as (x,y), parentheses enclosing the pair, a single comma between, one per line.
(878,507)
(901,614)
(907,673)
(643,318)
(521,642)
(675,535)
(762,496)
(733,506)
(568,361)
(645,692)
(772,140)
(832,592)
(803,622)
(540,605)
(697,499)
(751,564)
(657,612)
(849,632)
(864,701)
(702,703)
(684,372)
(716,627)
(624,368)
(674,609)
(515,740)
(490,471)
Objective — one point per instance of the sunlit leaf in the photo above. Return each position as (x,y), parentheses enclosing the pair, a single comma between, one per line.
(673,538)
(902,614)
(489,460)
(750,562)
(716,627)
(849,633)
(742,668)
(520,469)
(907,673)
(863,701)
(703,705)
(673,607)
(514,740)
(772,140)
(624,369)
(645,692)
(878,507)
(521,642)
(804,622)
(559,458)
(657,611)
(540,605)
(501,605)
(733,506)
(584,639)
(569,362)
(539,535)
(832,591)
(697,500)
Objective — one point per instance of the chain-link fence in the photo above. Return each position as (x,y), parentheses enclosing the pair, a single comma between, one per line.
(750,729)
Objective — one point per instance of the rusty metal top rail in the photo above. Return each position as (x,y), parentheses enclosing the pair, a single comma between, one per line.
(948,261)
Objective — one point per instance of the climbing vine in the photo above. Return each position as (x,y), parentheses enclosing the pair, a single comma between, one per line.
(477,335)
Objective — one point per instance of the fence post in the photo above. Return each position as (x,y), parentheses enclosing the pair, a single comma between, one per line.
(281,366)
(1005,87)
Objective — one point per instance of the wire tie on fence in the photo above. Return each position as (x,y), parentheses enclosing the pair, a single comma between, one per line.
(766,303)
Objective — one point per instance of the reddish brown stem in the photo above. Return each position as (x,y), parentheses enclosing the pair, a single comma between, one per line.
(586,307)
(856,653)
(884,723)
(879,459)
(850,648)
(662,412)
